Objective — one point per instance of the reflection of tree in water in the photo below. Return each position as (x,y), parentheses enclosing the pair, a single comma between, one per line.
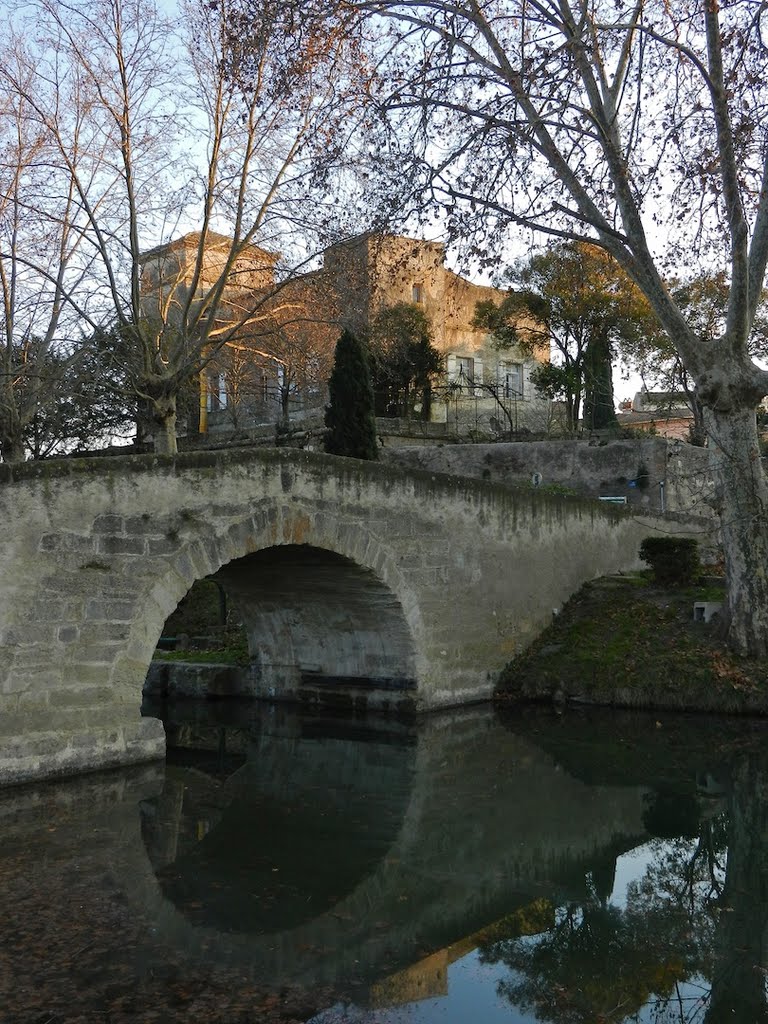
(605,962)
(597,962)
(694,916)
(739,975)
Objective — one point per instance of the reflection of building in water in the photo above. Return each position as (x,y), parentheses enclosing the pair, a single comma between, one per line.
(428,979)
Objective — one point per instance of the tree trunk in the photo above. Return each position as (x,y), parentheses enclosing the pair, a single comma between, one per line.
(285,419)
(571,414)
(164,416)
(202,401)
(426,401)
(11,433)
(12,449)
(742,497)
(697,432)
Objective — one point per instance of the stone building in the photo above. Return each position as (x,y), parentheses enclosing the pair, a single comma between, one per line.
(182,270)
(483,389)
(276,368)
(279,346)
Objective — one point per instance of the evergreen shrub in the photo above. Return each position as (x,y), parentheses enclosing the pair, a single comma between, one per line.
(674,560)
(349,415)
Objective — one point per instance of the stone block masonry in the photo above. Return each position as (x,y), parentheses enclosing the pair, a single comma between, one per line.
(650,473)
(344,572)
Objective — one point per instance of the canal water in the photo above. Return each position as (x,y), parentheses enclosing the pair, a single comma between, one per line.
(472,868)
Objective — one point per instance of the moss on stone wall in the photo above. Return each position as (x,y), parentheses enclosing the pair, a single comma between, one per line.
(349,472)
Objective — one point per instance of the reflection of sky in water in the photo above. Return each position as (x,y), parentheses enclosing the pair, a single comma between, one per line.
(691,1000)
(691,995)
(629,867)
(471,996)
(471,999)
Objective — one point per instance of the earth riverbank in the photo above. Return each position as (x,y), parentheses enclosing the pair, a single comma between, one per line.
(624,641)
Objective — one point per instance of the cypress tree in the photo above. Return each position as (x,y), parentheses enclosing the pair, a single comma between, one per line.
(599,412)
(349,416)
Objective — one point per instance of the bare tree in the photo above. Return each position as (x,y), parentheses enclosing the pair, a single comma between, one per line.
(179,128)
(274,105)
(639,127)
(284,365)
(81,81)
(303,344)
(42,258)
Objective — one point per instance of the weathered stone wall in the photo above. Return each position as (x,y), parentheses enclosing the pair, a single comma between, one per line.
(646,471)
(97,553)
(196,680)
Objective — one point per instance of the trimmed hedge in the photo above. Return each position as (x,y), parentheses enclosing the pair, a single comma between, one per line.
(674,560)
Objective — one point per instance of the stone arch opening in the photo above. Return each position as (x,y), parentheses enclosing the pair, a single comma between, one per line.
(321,628)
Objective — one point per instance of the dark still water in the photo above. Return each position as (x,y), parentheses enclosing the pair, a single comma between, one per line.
(471,869)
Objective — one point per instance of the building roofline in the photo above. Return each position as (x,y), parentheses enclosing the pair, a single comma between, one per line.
(213,238)
(366,236)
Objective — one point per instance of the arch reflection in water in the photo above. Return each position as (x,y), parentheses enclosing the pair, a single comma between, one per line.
(390,844)
(470,851)
(290,818)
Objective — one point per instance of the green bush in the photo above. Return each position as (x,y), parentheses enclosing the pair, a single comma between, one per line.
(674,560)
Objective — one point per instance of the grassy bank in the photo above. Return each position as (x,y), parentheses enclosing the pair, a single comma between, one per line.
(235,653)
(624,641)
(205,629)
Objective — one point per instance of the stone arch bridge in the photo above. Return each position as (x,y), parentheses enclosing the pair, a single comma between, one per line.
(396,588)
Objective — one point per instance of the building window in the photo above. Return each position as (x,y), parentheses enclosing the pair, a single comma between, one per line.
(216,393)
(511,379)
(417,293)
(465,370)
